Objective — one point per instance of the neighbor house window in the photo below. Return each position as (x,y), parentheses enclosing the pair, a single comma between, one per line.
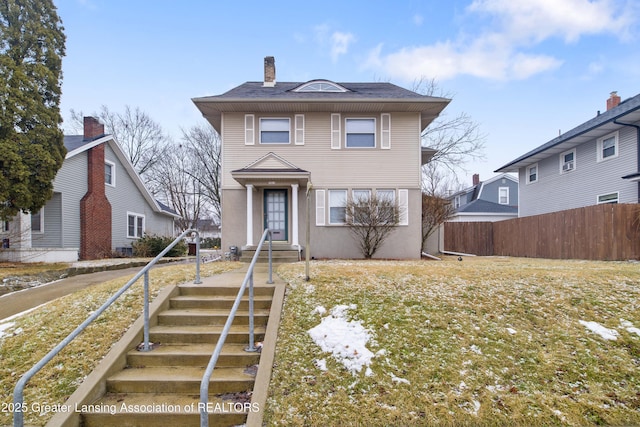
(274,131)
(503,195)
(568,161)
(456,202)
(361,133)
(608,198)
(37,222)
(532,173)
(110,173)
(337,206)
(608,147)
(135,225)
(5,226)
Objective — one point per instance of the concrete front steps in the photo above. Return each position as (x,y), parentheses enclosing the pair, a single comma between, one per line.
(161,387)
(280,253)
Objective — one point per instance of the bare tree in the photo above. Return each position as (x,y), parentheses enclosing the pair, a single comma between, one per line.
(371,219)
(174,184)
(435,211)
(139,136)
(456,139)
(203,144)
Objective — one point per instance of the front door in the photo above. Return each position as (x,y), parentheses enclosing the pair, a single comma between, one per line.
(275,213)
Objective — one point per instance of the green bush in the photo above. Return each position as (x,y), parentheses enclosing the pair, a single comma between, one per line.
(152,245)
(210,243)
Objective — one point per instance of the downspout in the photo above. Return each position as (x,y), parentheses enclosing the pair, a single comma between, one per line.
(637,148)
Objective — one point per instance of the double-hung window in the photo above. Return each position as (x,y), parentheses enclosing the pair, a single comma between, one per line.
(608,147)
(37,222)
(532,174)
(275,131)
(386,205)
(360,133)
(337,206)
(135,225)
(361,206)
(568,161)
(503,195)
(110,173)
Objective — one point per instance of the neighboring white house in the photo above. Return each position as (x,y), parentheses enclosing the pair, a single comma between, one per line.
(292,146)
(493,200)
(99,206)
(596,162)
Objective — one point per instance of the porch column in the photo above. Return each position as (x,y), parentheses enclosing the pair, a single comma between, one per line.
(294,211)
(249,215)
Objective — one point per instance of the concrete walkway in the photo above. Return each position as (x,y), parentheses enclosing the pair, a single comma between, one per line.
(19,301)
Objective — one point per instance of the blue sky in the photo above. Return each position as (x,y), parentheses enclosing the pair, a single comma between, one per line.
(525,70)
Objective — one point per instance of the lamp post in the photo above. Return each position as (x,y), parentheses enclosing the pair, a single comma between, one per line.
(308,232)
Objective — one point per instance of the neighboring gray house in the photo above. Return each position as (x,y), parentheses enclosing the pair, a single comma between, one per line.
(596,162)
(99,206)
(286,143)
(493,200)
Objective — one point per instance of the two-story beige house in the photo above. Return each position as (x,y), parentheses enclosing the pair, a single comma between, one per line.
(291,146)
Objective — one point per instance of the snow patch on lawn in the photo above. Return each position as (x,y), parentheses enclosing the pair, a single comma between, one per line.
(605,333)
(629,327)
(4,327)
(345,339)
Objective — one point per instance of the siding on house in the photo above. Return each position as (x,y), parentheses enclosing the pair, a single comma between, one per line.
(331,168)
(52,233)
(71,182)
(490,191)
(555,191)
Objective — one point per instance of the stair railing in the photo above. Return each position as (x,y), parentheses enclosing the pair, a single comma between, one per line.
(248,280)
(18,393)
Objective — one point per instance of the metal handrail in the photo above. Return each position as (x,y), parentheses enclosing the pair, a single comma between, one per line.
(18,393)
(248,279)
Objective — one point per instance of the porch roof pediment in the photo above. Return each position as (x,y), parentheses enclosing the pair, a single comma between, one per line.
(271,169)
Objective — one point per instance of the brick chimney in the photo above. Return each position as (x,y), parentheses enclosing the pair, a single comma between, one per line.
(92,128)
(613,101)
(95,209)
(476,179)
(269,71)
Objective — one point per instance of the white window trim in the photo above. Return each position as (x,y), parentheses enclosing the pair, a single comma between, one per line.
(527,174)
(288,119)
(249,129)
(572,167)
(346,194)
(499,190)
(375,136)
(617,193)
(135,226)
(600,143)
(335,131)
(299,129)
(385,131)
(113,173)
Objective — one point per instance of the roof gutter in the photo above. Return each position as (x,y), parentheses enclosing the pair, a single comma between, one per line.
(637,148)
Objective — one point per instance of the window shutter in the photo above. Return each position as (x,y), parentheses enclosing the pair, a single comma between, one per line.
(385,129)
(249,132)
(299,126)
(320,210)
(403,205)
(335,131)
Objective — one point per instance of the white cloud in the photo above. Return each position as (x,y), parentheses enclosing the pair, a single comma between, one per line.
(501,50)
(340,44)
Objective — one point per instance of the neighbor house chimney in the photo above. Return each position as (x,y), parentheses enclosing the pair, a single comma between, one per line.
(92,128)
(476,179)
(95,209)
(613,101)
(269,71)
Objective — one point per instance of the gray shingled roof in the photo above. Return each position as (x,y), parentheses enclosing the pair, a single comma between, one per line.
(73,142)
(484,206)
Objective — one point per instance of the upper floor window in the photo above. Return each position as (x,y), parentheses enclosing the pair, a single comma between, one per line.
(274,131)
(532,174)
(320,86)
(5,226)
(109,173)
(568,161)
(135,225)
(608,198)
(360,133)
(608,147)
(456,202)
(503,195)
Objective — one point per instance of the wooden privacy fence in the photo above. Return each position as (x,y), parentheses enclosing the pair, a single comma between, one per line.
(601,232)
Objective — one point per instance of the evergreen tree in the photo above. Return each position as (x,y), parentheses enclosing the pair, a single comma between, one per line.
(32,44)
